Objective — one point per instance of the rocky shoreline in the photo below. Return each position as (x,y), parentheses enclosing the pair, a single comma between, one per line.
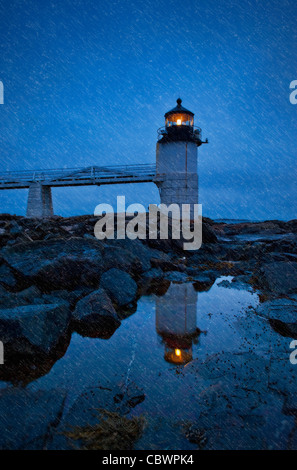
(56,278)
(57,269)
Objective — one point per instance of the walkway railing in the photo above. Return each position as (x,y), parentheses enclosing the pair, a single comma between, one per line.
(78,176)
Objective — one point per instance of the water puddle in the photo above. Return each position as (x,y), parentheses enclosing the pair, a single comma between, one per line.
(198,359)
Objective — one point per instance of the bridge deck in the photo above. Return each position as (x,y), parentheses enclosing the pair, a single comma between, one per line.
(94,175)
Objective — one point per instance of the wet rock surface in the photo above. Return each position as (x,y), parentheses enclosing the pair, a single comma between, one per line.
(62,253)
(95,311)
(34,328)
(120,286)
(58,281)
(278,277)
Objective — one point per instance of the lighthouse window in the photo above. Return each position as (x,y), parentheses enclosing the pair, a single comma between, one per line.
(179,120)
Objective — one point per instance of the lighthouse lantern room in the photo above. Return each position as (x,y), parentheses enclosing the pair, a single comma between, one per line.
(179,116)
(179,126)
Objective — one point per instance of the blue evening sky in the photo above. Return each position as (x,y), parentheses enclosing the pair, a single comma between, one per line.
(87,82)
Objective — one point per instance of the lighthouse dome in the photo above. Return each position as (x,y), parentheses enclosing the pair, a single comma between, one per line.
(179,109)
(179,116)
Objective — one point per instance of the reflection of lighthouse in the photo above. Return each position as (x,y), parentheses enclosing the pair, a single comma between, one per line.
(176,322)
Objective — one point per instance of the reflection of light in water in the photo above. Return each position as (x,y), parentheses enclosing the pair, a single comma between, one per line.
(178,356)
(176,322)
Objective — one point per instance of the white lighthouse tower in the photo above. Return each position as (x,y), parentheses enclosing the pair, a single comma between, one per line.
(176,157)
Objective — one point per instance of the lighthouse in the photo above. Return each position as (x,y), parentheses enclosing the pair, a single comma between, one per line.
(176,157)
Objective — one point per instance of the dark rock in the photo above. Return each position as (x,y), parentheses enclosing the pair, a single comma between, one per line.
(150,281)
(208,234)
(3,292)
(157,286)
(31,295)
(279,309)
(203,282)
(127,310)
(176,276)
(275,256)
(138,255)
(251,251)
(166,246)
(262,228)
(117,257)
(72,297)
(7,278)
(208,237)
(95,315)
(28,258)
(286,245)
(226,284)
(57,264)
(164,264)
(154,274)
(241,282)
(68,272)
(288,330)
(120,286)
(21,366)
(32,328)
(292,225)
(15,229)
(5,217)
(10,278)
(278,277)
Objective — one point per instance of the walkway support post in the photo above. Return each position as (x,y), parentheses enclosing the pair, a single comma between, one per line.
(40,203)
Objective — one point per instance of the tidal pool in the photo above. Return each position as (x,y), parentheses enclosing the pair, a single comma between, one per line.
(211,372)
